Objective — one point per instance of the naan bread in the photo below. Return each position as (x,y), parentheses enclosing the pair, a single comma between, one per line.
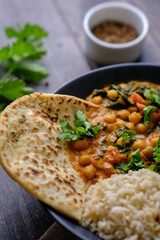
(32,154)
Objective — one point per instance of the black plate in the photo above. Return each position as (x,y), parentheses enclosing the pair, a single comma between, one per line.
(82,86)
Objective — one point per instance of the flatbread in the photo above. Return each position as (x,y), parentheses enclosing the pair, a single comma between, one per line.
(32,154)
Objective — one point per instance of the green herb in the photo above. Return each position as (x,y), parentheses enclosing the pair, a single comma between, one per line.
(156,152)
(120,92)
(119,132)
(152,167)
(7,86)
(157,168)
(120,167)
(125,148)
(151,95)
(16,61)
(138,89)
(99,92)
(128,87)
(128,135)
(82,128)
(103,147)
(147,111)
(136,163)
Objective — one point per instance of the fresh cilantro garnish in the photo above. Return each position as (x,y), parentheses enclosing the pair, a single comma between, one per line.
(152,167)
(14,60)
(128,135)
(156,152)
(136,162)
(120,167)
(147,111)
(82,128)
(151,95)
(156,157)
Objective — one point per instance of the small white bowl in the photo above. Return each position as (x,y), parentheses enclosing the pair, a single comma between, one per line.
(109,53)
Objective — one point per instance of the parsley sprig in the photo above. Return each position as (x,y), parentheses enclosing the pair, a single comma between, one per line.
(17,62)
(81,129)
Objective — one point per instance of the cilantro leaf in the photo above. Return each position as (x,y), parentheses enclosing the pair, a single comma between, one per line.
(21,50)
(12,88)
(31,71)
(82,128)
(5,53)
(121,167)
(152,167)
(147,111)
(151,95)
(128,135)
(81,116)
(156,152)
(26,31)
(28,45)
(136,163)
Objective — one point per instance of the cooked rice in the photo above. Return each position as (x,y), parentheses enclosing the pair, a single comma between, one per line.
(125,207)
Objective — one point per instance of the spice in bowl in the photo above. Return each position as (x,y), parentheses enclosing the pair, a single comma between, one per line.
(114,32)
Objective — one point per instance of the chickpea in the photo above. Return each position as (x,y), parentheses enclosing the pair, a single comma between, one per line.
(108,169)
(110,118)
(98,163)
(123,114)
(133,109)
(84,159)
(139,144)
(149,126)
(143,156)
(135,117)
(112,94)
(121,101)
(130,126)
(111,127)
(122,85)
(148,153)
(97,100)
(89,171)
(155,116)
(120,122)
(141,128)
(119,142)
(154,141)
(80,144)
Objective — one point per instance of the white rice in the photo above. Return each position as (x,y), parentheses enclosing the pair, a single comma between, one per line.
(125,207)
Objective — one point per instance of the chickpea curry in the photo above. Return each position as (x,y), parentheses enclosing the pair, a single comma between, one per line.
(122,134)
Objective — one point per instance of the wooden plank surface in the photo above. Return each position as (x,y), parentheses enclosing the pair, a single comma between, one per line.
(21,215)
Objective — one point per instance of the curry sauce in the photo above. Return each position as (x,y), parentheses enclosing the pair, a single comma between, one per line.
(129,117)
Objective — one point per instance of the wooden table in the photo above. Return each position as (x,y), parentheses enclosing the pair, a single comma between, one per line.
(21,215)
